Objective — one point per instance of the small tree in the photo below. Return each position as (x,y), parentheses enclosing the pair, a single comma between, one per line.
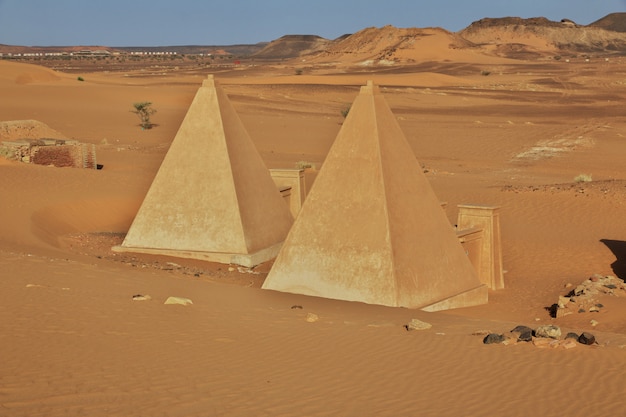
(144,111)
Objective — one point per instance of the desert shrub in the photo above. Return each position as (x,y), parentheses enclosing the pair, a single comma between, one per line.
(144,111)
(80,78)
(582,178)
(485,73)
(345,111)
(298,71)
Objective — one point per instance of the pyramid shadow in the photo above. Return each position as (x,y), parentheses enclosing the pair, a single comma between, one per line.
(618,247)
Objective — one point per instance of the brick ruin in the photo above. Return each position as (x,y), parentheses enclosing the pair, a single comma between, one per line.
(55,152)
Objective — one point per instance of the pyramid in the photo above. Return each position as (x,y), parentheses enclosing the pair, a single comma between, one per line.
(371,229)
(213,197)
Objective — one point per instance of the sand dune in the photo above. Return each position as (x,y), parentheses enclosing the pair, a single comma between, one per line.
(74,342)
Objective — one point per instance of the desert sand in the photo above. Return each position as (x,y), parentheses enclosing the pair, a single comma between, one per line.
(488,130)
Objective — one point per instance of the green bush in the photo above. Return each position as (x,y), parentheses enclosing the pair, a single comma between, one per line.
(144,111)
(583,178)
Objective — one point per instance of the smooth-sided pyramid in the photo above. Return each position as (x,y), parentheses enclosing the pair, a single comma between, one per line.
(371,228)
(213,197)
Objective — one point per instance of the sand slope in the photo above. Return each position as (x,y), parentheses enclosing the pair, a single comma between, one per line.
(74,342)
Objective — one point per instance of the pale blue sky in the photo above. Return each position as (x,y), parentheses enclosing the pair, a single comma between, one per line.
(226,22)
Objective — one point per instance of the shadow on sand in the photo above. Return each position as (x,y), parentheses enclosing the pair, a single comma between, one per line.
(618,247)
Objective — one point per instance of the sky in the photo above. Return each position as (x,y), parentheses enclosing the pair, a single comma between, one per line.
(230,22)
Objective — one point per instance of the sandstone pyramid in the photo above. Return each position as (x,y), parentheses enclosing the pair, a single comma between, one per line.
(371,228)
(213,197)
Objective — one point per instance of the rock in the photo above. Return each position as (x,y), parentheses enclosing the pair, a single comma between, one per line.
(563,301)
(510,339)
(312,318)
(139,297)
(548,330)
(524,333)
(571,335)
(587,339)
(594,309)
(296,307)
(416,324)
(178,300)
(568,344)
(542,342)
(493,338)
(594,323)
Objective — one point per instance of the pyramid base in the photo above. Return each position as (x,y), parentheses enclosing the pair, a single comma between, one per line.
(248,260)
(475,297)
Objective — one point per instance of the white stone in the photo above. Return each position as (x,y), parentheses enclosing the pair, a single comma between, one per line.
(416,324)
(178,300)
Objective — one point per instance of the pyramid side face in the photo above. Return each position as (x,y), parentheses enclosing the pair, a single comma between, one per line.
(339,246)
(372,229)
(430,263)
(193,203)
(265,217)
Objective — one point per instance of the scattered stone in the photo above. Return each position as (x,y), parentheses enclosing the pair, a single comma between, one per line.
(312,318)
(243,270)
(541,342)
(582,297)
(587,339)
(178,300)
(481,333)
(524,333)
(296,307)
(493,338)
(510,339)
(571,335)
(568,344)
(563,301)
(594,323)
(549,331)
(416,324)
(140,297)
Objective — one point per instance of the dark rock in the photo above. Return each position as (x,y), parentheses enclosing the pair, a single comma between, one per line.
(587,339)
(493,338)
(524,333)
(571,335)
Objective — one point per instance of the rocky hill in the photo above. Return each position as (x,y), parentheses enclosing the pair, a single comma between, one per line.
(292,46)
(389,45)
(512,35)
(613,21)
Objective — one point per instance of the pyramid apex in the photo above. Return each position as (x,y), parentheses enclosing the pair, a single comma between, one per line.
(370,88)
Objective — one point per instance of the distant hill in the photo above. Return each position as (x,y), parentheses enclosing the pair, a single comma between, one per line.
(613,21)
(292,46)
(390,45)
(514,35)
(510,37)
